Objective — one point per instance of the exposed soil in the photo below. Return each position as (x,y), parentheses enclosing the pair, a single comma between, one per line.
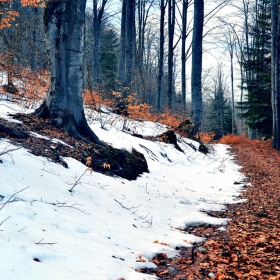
(104,158)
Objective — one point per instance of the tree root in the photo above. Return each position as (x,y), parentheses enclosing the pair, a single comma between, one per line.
(66,121)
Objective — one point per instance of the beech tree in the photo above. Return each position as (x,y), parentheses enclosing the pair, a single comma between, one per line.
(63,105)
(171,29)
(196,108)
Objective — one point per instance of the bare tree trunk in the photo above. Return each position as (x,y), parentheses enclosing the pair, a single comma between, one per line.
(129,46)
(171,28)
(97,20)
(64,23)
(183,53)
(231,50)
(275,56)
(196,86)
(143,13)
(161,53)
(121,67)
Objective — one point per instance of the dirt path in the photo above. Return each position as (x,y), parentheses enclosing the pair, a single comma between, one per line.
(250,246)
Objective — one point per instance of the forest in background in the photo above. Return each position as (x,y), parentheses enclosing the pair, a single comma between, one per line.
(144,58)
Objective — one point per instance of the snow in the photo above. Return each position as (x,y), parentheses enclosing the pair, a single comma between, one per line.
(103,228)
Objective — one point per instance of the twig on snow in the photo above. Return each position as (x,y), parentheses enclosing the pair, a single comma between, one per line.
(5,220)
(78,180)
(12,197)
(45,243)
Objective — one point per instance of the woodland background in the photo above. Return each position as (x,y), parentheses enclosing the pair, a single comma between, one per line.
(142,52)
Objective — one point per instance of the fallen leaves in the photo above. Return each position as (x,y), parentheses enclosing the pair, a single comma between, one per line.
(161,243)
(250,246)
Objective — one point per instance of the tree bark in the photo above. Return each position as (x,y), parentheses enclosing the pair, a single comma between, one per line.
(171,28)
(161,54)
(196,75)
(97,20)
(63,21)
(275,55)
(122,44)
(183,53)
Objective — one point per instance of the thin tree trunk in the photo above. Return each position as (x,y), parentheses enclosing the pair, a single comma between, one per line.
(97,20)
(161,53)
(275,73)
(122,59)
(183,53)
(171,28)
(232,90)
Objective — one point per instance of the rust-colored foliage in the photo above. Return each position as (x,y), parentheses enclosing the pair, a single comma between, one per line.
(250,246)
(30,86)
(234,139)
(7,15)
(136,110)
(206,137)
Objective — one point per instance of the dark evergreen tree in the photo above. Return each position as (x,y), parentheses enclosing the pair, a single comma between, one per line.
(220,114)
(108,59)
(256,108)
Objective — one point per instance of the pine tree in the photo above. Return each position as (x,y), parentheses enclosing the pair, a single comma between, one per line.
(108,59)
(220,117)
(256,108)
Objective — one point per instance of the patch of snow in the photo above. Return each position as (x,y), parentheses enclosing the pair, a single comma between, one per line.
(99,230)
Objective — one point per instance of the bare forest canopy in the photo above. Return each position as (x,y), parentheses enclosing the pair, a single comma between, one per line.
(213,63)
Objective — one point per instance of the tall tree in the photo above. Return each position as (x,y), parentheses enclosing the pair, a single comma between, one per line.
(171,30)
(196,75)
(163,4)
(256,108)
(98,13)
(220,116)
(185,4)
(275,74)
(63,105)
(127,51)
(143,10)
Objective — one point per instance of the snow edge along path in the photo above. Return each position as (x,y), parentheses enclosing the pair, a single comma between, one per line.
(107,225)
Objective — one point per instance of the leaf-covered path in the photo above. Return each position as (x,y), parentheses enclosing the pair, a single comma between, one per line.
(250,246)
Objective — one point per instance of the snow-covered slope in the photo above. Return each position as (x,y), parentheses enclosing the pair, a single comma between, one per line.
(100,230)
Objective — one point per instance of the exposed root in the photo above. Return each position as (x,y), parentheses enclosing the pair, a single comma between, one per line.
(66,121)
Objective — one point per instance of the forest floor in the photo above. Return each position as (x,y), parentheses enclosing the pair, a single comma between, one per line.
(249,248)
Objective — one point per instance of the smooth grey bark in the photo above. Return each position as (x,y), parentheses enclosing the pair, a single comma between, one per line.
(161,54)
(97,20)
(171,29)
(63,21)
(196,74)
(275,58)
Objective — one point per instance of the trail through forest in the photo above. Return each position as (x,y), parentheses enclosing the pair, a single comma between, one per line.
(249,247)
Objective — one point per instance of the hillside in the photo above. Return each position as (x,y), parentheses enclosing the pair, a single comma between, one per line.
(107,227)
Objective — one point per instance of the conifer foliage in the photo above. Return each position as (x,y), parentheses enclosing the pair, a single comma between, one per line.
(256,108)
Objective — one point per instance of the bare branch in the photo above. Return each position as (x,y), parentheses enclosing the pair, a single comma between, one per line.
(5,220)
(12,197)
(47,243)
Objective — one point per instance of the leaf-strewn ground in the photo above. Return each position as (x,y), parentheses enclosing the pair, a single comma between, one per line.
(249,248)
